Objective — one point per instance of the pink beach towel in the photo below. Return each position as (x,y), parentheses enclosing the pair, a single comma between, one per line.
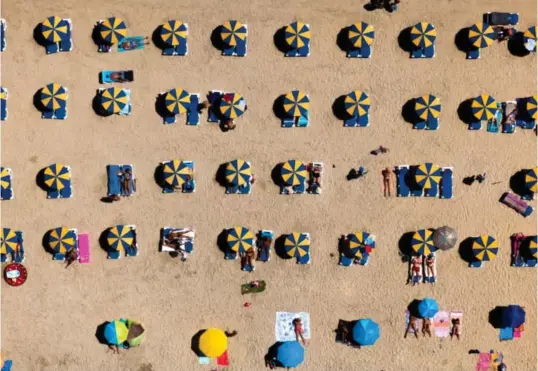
(441,324)
(84,248)
(518,331)
(484,361)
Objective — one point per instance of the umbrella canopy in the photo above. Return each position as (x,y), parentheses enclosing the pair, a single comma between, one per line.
(428,107)
(297,35)
(120,237)
(232,105)
(136,333)
(5,177)
(427,175)
(53,97)
(172,32)
(290,354)
(55,29)
(213,343)
(357,103)
(3,96)
(445,238)
(513,316)
(238,172)
(113,30)
(240,239)
(233,32)
(177,101)
(530,33)
(57,177)
(481,35)
(297,244)
(176,173)
(422,242)
(365,332)
(361,34)
(116,332)
(9,241)
(485,248)
(533,246)
(358,241)
(423,34)
(293,172)
(114,100)
(62,240)
(531,107)
(296,103)
(484,107)
(427,308)
(531,179)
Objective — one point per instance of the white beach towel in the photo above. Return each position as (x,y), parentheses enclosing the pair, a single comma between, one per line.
(441,324)
(284,327)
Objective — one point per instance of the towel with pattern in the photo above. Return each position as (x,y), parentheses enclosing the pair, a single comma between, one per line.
(284,330)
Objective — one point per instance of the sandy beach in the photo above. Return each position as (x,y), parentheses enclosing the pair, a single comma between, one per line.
(49,323)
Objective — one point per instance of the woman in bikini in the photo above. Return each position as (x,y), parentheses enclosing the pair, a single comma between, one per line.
(386,181)
(412,326)
(426,327)
(456,330)
(416,268)
(298,328)
(430,265)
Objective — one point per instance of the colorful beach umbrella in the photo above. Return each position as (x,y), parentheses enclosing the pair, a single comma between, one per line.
(53,97)
(297,244)
(481,35)
(423,34)
(531,107)
(357,103)
(530,33)
(361,34)
(484,107)
(428,107)
(5,177)
(120,237)
(427,308)
(232,105)
(513,316)
(296,103)
(531,179)
(358,241)
(114,100)
(173,31)
(113,30)
(240,239)
(116,332)
(427,175)
(176,173)
(177,101)
(238,172)
(533,246)
(293,172)
(485,248)
(57,176)
(61,240)
(3,96)
(233,32)
(529,37)
(9,241)
(297,35)
(213,343)
(422,242)
(365,332)
(289,354)
(136,333)
(55,29)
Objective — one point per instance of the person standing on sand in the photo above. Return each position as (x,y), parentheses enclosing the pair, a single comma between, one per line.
(387,174)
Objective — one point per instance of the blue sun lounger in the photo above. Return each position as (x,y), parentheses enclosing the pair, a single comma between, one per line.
(473,53)
(364,52)
(264,254)
(304,259)
(3,107)
(213,98)
(16,257)
(240,50)
(345,261)
(3,42)
(402,189)
(446,183)
(522,118)
(139,40)
(105,77)
(230,255)
(300,52)
(114,181)
(66,45)
(193,115)
(476,264)
(288,122)
(475,125)
(7,192)
(428,52)
(298,189)
(433,191)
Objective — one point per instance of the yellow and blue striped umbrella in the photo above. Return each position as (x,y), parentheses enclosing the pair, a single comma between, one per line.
(485,248)
(177,101)
(358,241)
(531,179)
(233,32)
(120,237)
(232,105)
(55,29)
(530,33)
(481,35)
(238,172)
(240,239)
(173,31)
(9,241)
(61,240)
(293,172)
(484,107)
(113,30)
(5,177)
(3,95)
(297,244)
(297,35)
(296,103)
(428,107)
(531,107)
(53,97)
(423,35)
(427,175)
(357,103)
(176,173)
(422,242)
(533,246)
(114,100)
(361,34)
(116,332)
(57,176)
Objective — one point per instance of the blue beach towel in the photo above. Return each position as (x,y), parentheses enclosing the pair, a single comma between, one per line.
(131,43)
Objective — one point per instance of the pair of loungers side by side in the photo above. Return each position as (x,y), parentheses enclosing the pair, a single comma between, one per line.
(115,174)
(238,50)
(444,190)
(193,113)
(131,251)
(501,124)
(57,114)
(64,45)
(264,253)
(188,245)
(308,186)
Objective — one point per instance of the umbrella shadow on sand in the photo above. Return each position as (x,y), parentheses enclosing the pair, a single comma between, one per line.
(462,40)
(280,248)
(38,36)
(517,184)
(279,39)
(36,100)
(495,317)
(276,176)
(408,112)
(278,107)
(404,245)
(220,175)
(404,40)
(160,106)
(195,343)
(40,180)
(465,250)
(339,108)
(516,45)
(465,112)
(103,240)
(45,242)
(100,333)
(342,40)
(413,308)
(222,242)
(216,38)
(157,39)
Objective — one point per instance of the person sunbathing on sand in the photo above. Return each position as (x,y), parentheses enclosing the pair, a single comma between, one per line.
(298,328)
(412,326)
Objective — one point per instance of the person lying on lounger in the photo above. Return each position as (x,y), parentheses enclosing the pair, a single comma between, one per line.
(416,268)
(503,33)
(126,180)
(71,257)
(265,244)
(249,258)
(430,265)
(117,76)
(133,44)
(412,326)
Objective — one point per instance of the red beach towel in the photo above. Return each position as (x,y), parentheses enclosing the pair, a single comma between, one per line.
(223,360)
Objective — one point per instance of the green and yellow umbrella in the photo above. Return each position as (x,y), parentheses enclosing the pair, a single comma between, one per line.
(120,237)
(232,105)
(361,34)
(297,35)
(213,343)
(5,177)
(357,103)
(240,239)
(176,173)
(114,100)
(293,172)
(233,32)
(423,35)
(9,241)
(238,172)
(533,246)
(55,29)
(484,107)
(296,103)
(531,179)
(481,35)
(116,332)
(428,107)
(53,97)
(422,242)
(531,107)
(485,247)
(427,175)
(113,30)
(172,32)
(297,245)
(57,176)
(177,101)
(62,240)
